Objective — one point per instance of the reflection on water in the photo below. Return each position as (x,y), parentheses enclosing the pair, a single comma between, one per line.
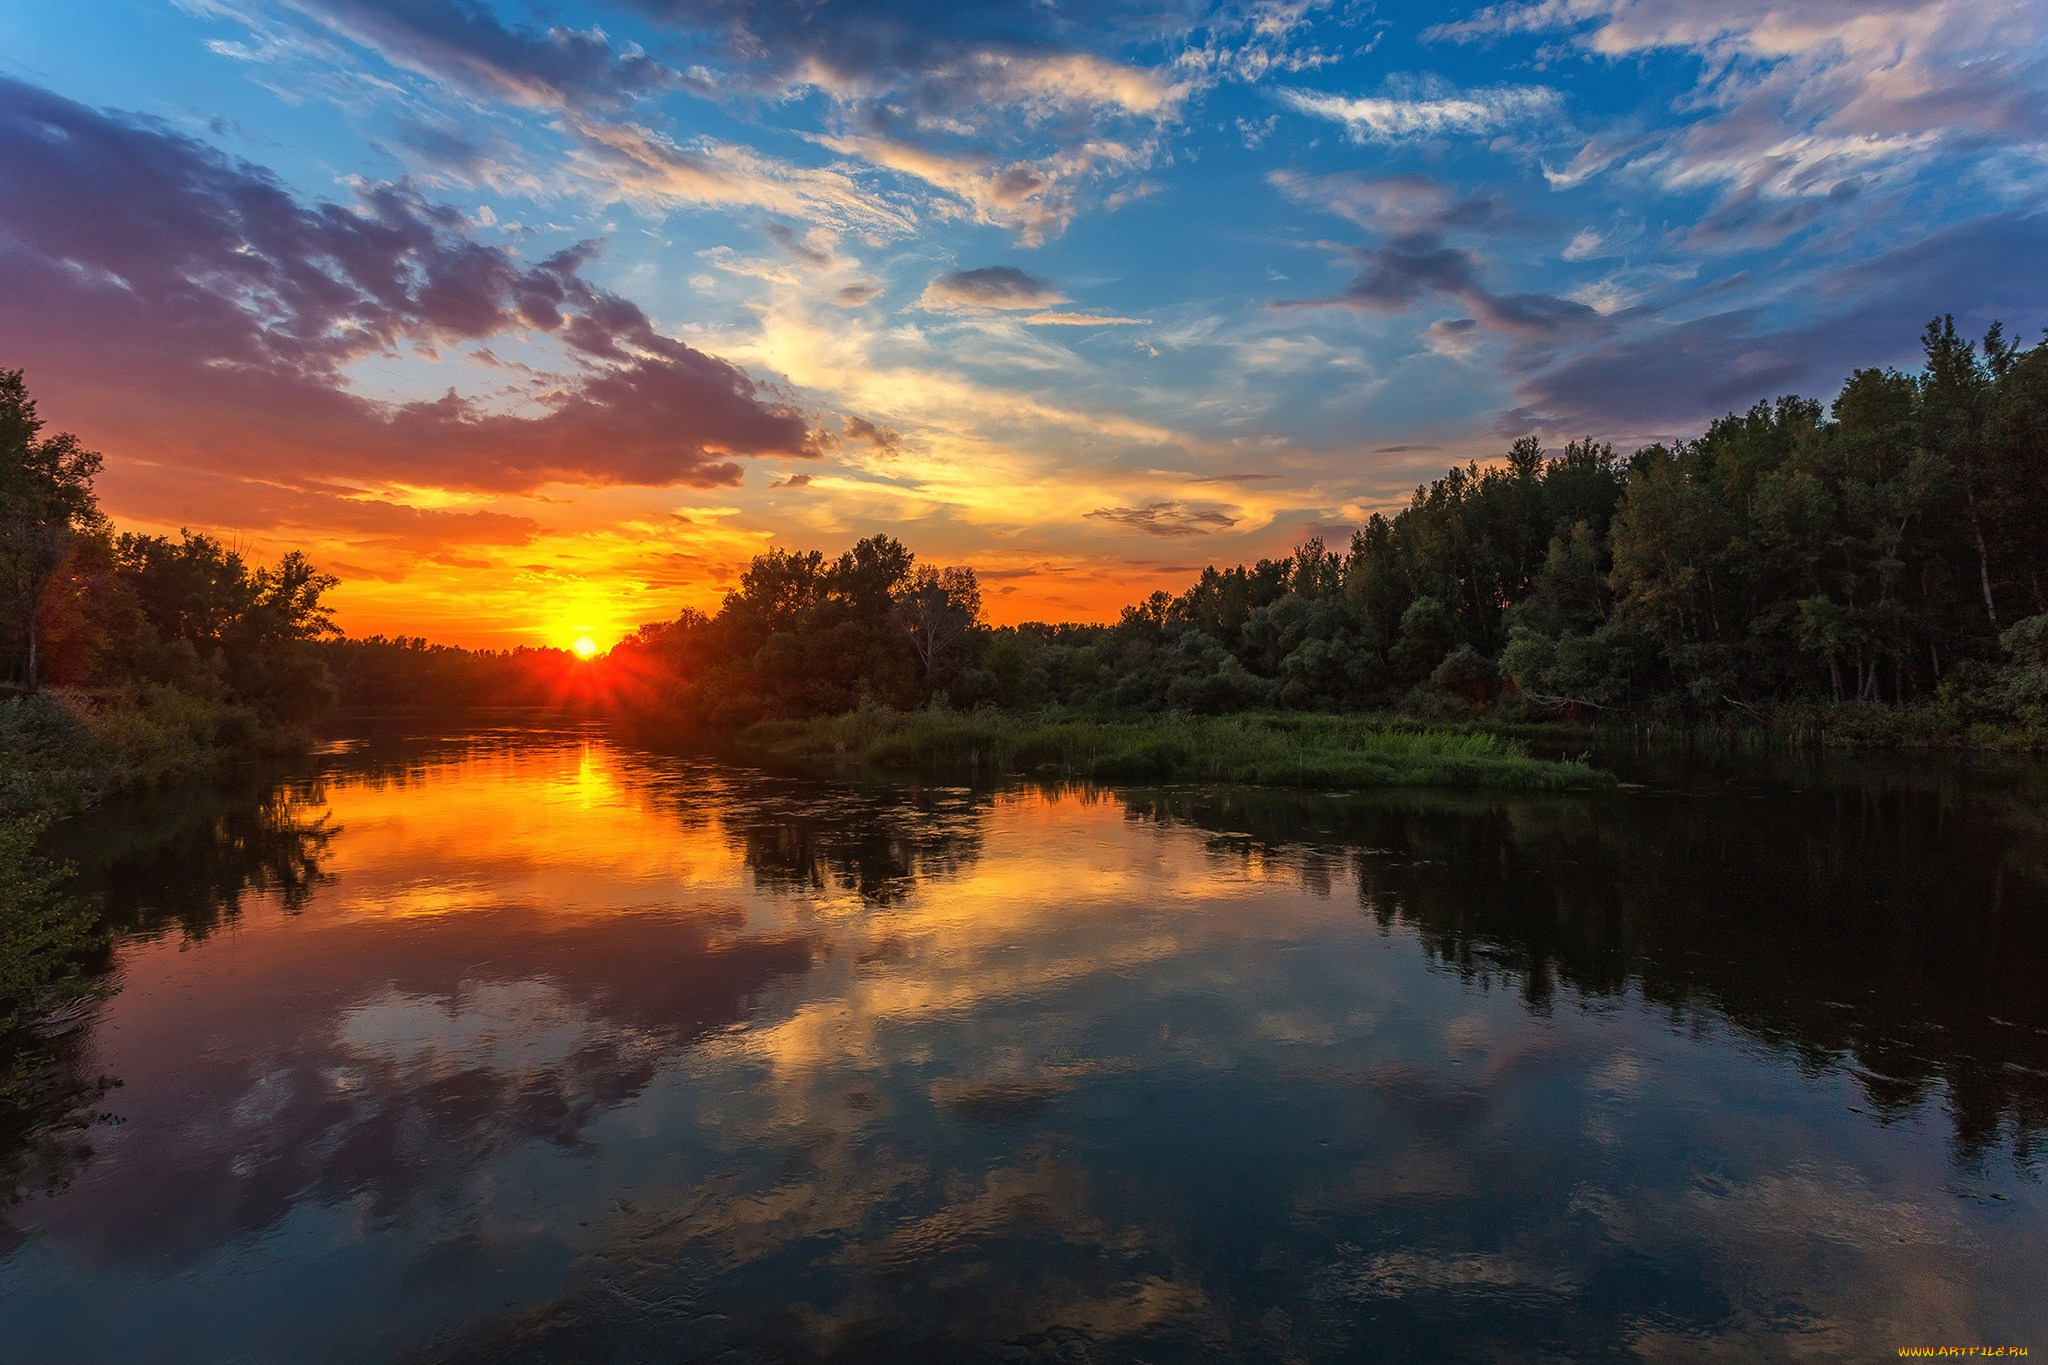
(494,1046)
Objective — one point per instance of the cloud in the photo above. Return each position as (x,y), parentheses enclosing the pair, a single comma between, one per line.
(1082,320)
(1797,99)
(466,45)
(1407,203)
(1011,130)
(1036,196)
(196,310)
(991,287)
(971,100)
(793,481)
(172,497)
(1408,268)
(881,438)
(1430,109)
(1169,519)
(857,295)
(621,159)
(1660,378)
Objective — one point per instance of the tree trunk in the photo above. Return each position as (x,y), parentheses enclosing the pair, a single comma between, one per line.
(1983,551)
(1984,576)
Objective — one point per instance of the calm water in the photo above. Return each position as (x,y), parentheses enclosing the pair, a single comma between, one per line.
(488,1046)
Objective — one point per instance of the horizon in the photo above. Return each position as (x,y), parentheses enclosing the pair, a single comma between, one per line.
(535,333)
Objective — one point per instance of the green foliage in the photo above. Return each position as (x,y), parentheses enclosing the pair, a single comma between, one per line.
(802,635)
(46,505)
(1870,553)
(45,937)
(129,620)
(49,944)
(2024,681)
(1268,749)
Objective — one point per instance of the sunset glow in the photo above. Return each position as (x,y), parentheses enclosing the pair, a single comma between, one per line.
(584,646)
(507,313)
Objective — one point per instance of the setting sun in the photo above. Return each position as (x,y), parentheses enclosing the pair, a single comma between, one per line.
(584,646)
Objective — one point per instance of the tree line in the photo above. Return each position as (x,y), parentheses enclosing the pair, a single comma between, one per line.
(137,616)
(1886,547)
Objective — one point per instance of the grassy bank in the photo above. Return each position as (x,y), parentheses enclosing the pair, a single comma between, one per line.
(60,754)
(1272,750)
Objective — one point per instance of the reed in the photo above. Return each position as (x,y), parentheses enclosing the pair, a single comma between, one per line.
(1293,750)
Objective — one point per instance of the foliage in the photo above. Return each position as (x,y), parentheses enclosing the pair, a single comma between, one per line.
(406,671)
(126,617)
(1279,750)
(46,505)
(804,635)
(44,936)
(138,659)
(1881,553)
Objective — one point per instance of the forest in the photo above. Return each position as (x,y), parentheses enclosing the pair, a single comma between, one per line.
(1881,553)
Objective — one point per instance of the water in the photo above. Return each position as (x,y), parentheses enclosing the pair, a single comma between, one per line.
(490,1045)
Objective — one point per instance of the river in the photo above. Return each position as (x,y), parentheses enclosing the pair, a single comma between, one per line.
(482,1043)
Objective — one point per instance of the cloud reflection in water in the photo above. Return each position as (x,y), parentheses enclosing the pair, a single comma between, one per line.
(576,1051)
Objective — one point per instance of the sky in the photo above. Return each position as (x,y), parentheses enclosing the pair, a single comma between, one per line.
(532,321)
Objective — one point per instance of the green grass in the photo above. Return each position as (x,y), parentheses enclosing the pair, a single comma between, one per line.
(1270,750)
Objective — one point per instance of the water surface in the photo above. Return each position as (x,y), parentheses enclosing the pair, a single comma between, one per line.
(487,1045)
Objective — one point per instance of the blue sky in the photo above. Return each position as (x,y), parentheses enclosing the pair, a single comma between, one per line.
(537,319)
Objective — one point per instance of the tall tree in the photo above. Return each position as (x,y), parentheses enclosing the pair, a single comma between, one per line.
(46,503)
(1953,393)
(939,608)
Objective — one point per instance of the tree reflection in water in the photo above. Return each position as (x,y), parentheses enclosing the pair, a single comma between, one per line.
(1889,923)
(807,1069)
(877,843)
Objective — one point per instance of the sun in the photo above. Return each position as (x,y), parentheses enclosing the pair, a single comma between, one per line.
(584,646)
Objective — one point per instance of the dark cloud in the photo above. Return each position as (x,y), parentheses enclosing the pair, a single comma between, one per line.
(1397,204)
(463,42)
(1662,378)
(1416,213)
(857,295)
(1165,519)
(467,153)
(191,308)
(793,481)
(788,239)
(1411,266)
(991,287)
(929,91)
(881,438)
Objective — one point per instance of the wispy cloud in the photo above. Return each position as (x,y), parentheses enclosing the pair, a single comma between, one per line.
(1809,100)
(1169,519)
(992,287)
(1083,320)
(1431,109)
(618,158)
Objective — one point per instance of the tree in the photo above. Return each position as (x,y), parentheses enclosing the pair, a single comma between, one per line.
(938,608)
(46,503)
(1953,392)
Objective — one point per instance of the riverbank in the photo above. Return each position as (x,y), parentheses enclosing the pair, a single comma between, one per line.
(1267,749)
(62,753)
